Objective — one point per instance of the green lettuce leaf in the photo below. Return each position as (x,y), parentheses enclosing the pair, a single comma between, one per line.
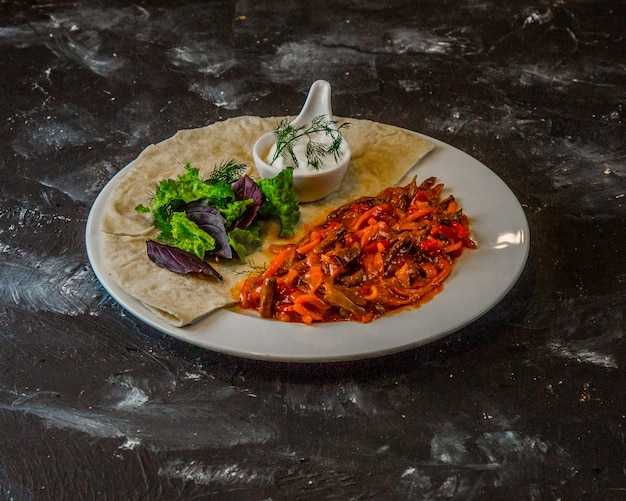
(244,242)
(188,236)
(186,188)
(234,210)
(281,201)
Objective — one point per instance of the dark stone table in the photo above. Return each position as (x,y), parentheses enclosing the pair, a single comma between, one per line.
(528,402)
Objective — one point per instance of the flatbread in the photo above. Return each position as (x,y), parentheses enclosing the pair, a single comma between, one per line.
(381,157)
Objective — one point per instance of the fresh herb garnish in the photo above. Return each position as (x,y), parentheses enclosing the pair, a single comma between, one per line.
(287,135)
(227,172)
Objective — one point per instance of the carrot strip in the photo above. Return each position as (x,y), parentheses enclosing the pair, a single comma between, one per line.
(443,274)
(373,264)
(244,293)
(306,306)
(276,263)
(418,214)
(453,247)
(315,277)
(372,213)
(430,270)
(316,238)
(288,278)
(368,234)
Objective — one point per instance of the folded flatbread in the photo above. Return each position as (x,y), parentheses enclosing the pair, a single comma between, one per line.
(381,156)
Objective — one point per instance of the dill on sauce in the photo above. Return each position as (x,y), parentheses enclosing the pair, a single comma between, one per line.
(287,135)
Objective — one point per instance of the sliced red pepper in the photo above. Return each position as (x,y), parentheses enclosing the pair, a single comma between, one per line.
(420,196)
(376,246)
(461,232)
(371,247)
(430,245)
(355,211)
(446,231)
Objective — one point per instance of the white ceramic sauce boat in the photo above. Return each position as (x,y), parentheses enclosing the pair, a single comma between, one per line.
(310,185)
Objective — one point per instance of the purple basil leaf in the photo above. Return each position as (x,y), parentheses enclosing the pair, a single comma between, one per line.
(179,261)
(244,189)
(209,219)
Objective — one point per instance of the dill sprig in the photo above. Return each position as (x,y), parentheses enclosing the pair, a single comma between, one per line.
(287,135)
(227,172)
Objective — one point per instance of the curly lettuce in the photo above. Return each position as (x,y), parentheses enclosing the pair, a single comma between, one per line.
(281,201)
(216,217)
(187,188)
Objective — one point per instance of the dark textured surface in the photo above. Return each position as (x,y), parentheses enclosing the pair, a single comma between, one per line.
(526,403)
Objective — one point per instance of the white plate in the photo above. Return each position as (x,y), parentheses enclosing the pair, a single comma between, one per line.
(479,280)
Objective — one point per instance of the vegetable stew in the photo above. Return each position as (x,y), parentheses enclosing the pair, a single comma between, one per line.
(371,256)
